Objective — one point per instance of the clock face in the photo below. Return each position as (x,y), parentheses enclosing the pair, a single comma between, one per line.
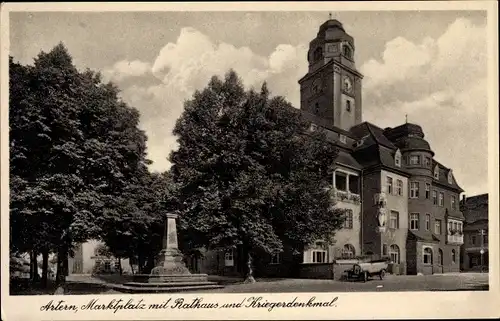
(347,84)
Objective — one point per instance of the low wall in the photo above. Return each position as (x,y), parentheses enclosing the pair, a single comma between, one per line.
(316,270)
(341,266)
(274,270)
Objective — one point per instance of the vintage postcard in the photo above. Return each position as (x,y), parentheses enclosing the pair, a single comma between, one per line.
(288,160)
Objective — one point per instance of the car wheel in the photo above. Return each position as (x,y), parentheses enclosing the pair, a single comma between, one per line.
(382,274)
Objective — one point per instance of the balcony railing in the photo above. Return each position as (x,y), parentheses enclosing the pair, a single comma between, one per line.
(455,238)
(345,196)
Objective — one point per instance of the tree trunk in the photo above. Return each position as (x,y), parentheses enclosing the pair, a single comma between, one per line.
(131,266)
(45,267)
(36,276)
(32,266)
(140,263)
(120,265)
(249,277)
(61,265)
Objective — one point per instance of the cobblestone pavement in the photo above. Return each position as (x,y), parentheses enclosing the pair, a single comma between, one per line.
(443,282)
(446,282)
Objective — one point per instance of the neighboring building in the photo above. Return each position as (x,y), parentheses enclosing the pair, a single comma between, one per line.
(475,211)
(92,258)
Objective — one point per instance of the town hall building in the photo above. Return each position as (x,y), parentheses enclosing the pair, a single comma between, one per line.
(400,202)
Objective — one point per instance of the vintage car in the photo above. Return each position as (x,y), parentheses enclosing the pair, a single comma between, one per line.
(365,270)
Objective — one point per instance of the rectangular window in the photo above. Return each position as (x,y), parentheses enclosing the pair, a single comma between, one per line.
(428,162)
(435,197)
(427,222)
(229,258)
(453,202)
(348,219)
(276,258)
(341,181)
(354,184)
(450,226)
(384,249)
(427,190)
(107,266)
(441,199)
(394,220)
(414,221)
(485,239)
(319,256)
(415,160)
(437,227)
(399,187)
(414,187)
(473,240)
(427,256)
(389,185)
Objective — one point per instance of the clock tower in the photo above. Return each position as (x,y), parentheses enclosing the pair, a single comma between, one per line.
(331,89)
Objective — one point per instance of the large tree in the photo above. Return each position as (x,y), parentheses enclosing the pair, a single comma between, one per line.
(249,172)
(75,146)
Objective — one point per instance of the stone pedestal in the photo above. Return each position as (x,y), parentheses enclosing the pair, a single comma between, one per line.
(170,273)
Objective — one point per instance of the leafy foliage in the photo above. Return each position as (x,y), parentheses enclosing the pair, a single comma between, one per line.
(74,147)
(248,172)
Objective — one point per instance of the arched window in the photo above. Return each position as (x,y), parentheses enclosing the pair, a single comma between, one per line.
(316,108)
(427,255)
(348,251)
(440,257)
(453,256)
(318,53)
(394,253)
(346,50)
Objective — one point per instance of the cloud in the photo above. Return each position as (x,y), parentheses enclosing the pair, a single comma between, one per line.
(441,84)
(126,69)
(188,64)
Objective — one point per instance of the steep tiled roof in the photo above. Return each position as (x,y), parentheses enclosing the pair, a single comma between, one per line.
(372,135)
(425,236)
(475,208)
(443,176)
(345,158)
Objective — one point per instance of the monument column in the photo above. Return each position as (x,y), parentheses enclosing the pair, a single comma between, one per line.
(170,260)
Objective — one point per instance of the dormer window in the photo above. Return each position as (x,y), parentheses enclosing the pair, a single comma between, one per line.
(436,172)
(343,138)
(450,177)
(397,159)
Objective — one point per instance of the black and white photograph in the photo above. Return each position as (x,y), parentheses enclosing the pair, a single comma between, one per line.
(216,153)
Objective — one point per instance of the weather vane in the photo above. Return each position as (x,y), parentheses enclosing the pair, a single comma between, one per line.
(406,118)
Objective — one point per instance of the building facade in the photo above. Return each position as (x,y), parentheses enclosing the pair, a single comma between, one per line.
(400,202)
(92,258)
(474,251)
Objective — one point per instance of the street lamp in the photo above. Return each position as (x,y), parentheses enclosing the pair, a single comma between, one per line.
(482,249)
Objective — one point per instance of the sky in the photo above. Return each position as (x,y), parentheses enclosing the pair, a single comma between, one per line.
(428,65)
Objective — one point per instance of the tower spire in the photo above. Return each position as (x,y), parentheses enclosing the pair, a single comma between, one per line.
(406,118)
(330,16)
